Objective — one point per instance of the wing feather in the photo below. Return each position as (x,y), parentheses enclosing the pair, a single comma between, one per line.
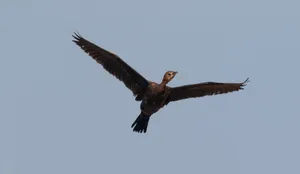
(114,65)
(203,89)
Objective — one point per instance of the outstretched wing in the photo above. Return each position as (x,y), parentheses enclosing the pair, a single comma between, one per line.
(114,65)
(203,89)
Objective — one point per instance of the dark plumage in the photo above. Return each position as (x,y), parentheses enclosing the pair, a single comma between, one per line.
(154,96)
(115,66)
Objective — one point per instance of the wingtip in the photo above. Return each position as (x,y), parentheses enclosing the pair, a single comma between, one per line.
(76,36)
(246,81)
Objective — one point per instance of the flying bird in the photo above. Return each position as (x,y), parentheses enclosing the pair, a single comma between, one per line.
(153,96)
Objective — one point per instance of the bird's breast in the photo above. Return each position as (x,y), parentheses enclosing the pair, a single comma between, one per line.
(156,95)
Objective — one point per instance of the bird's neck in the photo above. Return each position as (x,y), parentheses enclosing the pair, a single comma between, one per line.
(163,83)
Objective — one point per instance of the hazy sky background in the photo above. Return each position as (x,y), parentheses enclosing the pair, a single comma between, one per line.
(63,113)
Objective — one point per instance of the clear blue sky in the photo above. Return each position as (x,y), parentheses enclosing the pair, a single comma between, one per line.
(62,113)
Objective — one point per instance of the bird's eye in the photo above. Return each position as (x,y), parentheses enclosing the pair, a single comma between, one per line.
(169,74)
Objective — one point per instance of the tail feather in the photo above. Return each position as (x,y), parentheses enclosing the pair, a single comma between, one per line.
(141,123)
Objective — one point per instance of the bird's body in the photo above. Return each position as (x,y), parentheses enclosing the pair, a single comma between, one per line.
(154,99)
(153,96)
(155,93)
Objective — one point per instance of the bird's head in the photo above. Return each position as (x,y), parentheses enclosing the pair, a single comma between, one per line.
(169,75)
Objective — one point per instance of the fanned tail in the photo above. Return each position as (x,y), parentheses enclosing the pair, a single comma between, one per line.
(141,123)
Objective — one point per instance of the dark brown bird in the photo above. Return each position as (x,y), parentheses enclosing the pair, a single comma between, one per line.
(153,95)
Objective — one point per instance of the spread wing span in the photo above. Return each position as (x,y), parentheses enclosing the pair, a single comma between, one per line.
(203,89)
(114,65)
